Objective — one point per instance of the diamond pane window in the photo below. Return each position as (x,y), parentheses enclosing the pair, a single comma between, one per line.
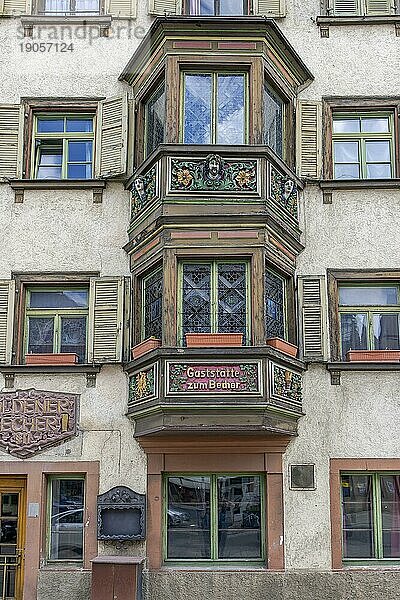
(275,305)
(152,293)
(214,298)
(214,108)
(363,146)
(369,317)
(217,7)
(155,120)
(273,120)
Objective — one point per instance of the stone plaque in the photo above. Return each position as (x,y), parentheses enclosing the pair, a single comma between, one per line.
(33,420)
(209,379)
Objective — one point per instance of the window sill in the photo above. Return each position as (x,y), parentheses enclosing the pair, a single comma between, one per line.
(335,368)
(330,185)
(20,185)
(30,21)
(9,372)
(324,22)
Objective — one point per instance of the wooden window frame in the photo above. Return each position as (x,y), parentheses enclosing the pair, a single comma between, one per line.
(358,106)
(37,3)
(339,466)
(142,283)
(246,4)
(214,526)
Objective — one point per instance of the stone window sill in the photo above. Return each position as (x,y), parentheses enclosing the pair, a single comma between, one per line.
(335,368)
(324,22)
(20,185)
(9,372)
(30,21)
(329,185)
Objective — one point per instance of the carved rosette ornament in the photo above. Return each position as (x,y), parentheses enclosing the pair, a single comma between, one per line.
(213,174)
(34,420)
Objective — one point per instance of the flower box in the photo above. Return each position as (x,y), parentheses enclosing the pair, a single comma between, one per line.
(373,355)
(145,346)
(213,340)
(283,346)
(60,358)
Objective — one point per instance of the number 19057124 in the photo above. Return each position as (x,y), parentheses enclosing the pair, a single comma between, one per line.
(44,47)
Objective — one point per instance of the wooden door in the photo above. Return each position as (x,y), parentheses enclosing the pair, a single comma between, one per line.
(12,536)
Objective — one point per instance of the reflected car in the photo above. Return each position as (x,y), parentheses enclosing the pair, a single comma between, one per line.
(177,517)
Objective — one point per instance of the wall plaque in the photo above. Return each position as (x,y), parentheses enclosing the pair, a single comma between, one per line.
(121,515)
(34,420)
(219,379)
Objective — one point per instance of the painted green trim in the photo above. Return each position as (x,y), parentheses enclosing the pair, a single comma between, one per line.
(214,525)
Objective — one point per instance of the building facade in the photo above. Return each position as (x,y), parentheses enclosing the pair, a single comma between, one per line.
(199,299)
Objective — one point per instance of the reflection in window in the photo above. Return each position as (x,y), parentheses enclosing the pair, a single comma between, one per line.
(275,305)
(152,293)
(362,146)
(369,317)
(214,108)
(273,120)
(66,500)
(214,517)
(371,515)
(217,7)
(155,120)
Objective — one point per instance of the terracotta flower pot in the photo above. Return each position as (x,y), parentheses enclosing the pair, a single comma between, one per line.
(373,355)
(145,346)
(60,358)
(213,340)
(283,346)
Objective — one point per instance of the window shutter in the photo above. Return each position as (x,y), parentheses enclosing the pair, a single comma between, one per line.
(270,8)
(165,7)
(346,7)
(309,139)
(7,298)
(14,7)
(112,136)
(379,7)
(122,8)
(11,132)
(313,317)
(105,319)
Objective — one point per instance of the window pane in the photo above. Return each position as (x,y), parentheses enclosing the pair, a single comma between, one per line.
(87,6)
(80,151)
(66,527)
(239,517)
(59,299)
(231,7)
(79,171)
(368,296)
(49,160)
(155,120)
(357,516)
(386,332)
(377,151)
(73,336)
(346,125)
(45,125)
(76,125)
(390,508)
(152,305)
(342,171)
(274,305)
(201,7)
(197,109)
(379,171)
(40,335)
(273,121)
(375,125)
(230,128)
(345,152)
(232,299)
(188,517)
(353,329)
(196,299)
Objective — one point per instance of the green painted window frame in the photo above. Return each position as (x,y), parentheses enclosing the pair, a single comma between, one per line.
(376,520)
(49,498)
(284,281)
(246,8)
(143,281)
(214,73)
(369,309)
(213,294)
(214,520)
(361,138)
(56,313)
(63,137)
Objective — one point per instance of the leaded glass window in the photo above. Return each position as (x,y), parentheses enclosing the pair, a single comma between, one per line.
(214,517)
(152,293)
(214,108)
(214,298)
(56,321)
(211,8)
(275,309)
(369,317)
(273,120)
(155,120)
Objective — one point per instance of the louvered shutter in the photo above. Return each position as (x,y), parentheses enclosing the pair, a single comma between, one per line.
(105,320)
(309,139)
(122,8)
(379,7)
(14,7)
(313,317)
(7,296)
(345,7)
(165,7)
(11,123)
(112,137)
(270,8)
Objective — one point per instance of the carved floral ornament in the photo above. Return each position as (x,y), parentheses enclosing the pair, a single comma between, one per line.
(142,385)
